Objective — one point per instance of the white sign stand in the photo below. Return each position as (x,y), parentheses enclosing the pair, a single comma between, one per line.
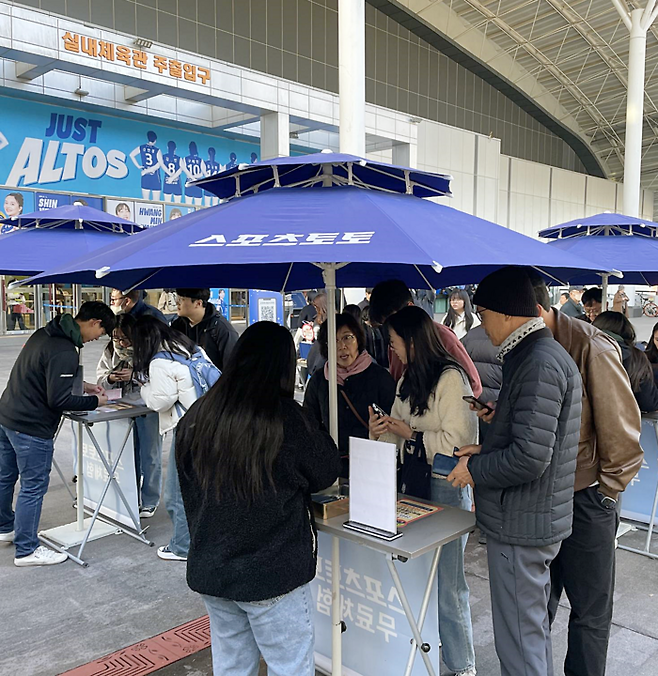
(373,488)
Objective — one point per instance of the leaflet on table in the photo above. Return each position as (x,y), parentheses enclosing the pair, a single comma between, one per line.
(409,511)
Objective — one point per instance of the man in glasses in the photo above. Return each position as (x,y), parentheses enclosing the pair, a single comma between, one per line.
(134,304)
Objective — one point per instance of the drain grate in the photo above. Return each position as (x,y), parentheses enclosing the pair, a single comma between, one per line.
(152,654)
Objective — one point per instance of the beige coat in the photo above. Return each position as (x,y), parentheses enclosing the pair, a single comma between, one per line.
(447,423)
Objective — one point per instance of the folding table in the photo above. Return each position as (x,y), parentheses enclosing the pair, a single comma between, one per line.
(78,533)
(425,536)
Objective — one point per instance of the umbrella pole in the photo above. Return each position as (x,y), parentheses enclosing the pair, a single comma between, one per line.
(329,274)
(604,291)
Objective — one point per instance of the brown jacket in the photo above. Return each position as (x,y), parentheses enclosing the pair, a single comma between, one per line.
(609,449)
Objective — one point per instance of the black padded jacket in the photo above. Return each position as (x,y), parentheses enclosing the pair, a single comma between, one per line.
(524,475)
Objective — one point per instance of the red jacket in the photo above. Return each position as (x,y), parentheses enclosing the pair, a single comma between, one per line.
(452,345)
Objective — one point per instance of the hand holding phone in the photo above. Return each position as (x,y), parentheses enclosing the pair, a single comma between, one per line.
(379,410)
(376,422)
(478,404)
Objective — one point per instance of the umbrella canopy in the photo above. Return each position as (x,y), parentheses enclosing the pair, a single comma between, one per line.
(602,225)
(73,216)
(635,256)
(325,169)
(281,239)
(32,250)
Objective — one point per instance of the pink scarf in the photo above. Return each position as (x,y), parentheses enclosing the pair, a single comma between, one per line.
(359,365)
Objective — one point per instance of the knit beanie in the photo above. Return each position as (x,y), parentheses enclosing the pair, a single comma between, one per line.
(507,291)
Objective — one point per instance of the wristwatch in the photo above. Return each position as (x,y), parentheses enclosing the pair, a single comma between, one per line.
(607,502)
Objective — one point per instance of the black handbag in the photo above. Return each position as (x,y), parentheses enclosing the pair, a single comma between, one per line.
(415,473)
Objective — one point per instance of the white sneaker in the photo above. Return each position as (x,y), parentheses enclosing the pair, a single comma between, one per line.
(41,556)
(166,554)
(7,537)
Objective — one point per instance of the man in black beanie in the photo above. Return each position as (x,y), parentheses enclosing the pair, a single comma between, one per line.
(523,473)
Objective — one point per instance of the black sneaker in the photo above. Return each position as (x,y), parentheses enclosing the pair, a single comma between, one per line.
(147,512)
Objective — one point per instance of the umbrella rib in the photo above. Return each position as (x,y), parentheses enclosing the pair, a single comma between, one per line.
(429,286)
(285,281)
(548,274)
(141,281)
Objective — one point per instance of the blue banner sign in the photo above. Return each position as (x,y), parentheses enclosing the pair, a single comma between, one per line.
(50,147)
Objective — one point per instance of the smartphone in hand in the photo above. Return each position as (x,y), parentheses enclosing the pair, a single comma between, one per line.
(478,404)
(379,411)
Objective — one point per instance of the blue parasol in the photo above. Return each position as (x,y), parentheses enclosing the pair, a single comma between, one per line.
(602,225)
(28,251)
(283,239)
(635,256)
(322,170)
(72,216)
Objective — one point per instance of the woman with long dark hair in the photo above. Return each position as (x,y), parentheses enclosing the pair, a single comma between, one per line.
(460,317)
(248,459)
(430,418)
(168,389)
(635,361)
(115,371)
(361,382)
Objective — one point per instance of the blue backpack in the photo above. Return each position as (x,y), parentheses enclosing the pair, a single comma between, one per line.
(204,373)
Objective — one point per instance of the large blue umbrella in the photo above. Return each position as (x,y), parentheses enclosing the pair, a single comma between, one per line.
(605,224)
(30,251)
(624,244)
(634,256)
(283,239)
(322,170)
(72,216)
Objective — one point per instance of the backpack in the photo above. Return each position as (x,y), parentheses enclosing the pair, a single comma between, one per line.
(204,373)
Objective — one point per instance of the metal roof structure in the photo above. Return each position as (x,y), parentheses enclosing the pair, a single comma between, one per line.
(568,58)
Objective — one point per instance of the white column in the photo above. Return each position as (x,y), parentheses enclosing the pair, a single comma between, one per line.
(634,114)
(352,76)
(405,155)
(274,135)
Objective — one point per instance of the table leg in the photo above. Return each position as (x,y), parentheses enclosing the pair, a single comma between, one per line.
(409,613)
(111,472)
(79,486)
(336,619)
(423,608)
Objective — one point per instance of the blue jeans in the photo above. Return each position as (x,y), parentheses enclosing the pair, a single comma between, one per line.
(281,629)
(180,540)
(455,628)
(148,458)
(30,458)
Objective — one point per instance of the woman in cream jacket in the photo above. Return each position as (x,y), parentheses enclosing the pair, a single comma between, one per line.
(429,410)
(168,389)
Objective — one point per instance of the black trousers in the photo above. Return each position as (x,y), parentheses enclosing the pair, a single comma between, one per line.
(585,569)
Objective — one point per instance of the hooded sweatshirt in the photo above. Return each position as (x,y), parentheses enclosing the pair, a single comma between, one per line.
(41,382)
(214,333)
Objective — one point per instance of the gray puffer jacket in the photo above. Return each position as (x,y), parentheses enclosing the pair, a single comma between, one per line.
(524,475)
(483,353)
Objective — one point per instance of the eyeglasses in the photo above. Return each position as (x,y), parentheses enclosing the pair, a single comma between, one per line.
(347,339)
(479,313)
(114,300)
